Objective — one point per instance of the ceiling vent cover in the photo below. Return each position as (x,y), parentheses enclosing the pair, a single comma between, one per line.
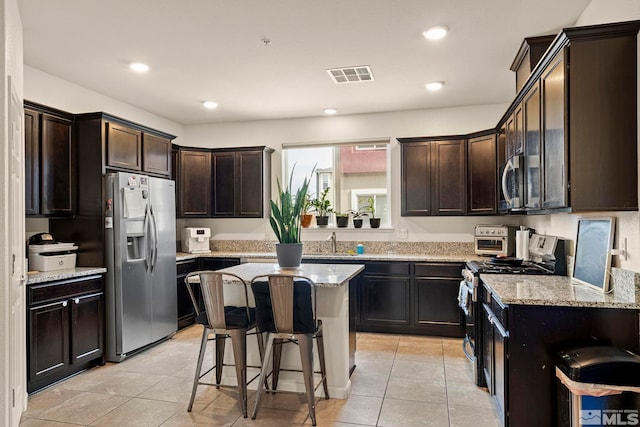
(360,73)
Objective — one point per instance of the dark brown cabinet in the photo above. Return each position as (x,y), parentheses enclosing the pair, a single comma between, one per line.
(385,292)
(482,184)
(514,134)
(223,183)
(435,298)
(519,345)
(194,183)
(241,182)
(124,147)
(433,177)
(50,181)
(186,311)
(156,154)
(532,144)
(65,329)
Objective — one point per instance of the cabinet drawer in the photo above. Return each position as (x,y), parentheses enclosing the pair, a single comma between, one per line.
(51,291)
(439,269)
(395,268)
(185,267)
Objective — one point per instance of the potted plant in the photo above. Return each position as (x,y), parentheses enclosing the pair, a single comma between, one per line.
(357,218)
(342,219)
(306,218)
(322,207)
(285,222)
(370,208)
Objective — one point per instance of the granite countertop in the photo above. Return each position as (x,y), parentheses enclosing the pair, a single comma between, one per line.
(561,291)
(182,256)
(50,276)
(323,275)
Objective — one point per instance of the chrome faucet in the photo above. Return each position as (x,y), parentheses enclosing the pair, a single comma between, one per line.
(332,237)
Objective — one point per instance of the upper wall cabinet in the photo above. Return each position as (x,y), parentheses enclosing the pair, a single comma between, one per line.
(124,145)
(482,187)
(225,183)
(531,51)
(433,177)
(50,174)
(580,122)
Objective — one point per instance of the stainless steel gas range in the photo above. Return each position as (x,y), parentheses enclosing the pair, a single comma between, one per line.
(547,257)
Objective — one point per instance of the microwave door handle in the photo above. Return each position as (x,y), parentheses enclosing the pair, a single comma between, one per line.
(508,166)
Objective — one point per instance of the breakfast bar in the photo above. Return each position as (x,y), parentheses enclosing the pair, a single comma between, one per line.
(332,281)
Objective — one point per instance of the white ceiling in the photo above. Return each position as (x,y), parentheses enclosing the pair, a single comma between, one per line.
(212,50)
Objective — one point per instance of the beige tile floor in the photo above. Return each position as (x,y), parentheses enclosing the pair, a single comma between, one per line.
(399,381)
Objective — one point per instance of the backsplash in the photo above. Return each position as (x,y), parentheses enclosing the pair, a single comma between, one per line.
(371,247)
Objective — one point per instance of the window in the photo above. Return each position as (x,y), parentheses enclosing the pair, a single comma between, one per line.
(353,172)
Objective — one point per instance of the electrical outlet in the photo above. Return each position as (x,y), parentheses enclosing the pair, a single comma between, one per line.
(403,233)
(570,266)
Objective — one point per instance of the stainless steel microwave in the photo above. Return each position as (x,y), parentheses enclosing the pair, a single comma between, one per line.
(495,240)
(513,183)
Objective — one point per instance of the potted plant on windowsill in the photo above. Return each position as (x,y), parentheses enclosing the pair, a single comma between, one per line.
(342,219)
(307,216)
(357,218)
(370,209)
(322,207)
(285,222)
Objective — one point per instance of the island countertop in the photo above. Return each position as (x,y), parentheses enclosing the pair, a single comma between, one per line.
(561,291)
(323,275)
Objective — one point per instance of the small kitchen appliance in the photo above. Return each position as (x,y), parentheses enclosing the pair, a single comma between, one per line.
(195,240)
(45,254)
(495,240)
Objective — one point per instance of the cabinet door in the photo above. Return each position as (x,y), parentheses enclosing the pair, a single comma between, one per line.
(87,327)
(249,184)
(436,302)
(32,162)
(482,176)
(518,137)
(487,348)
(532,148)
(554,181)
(124,147)
(186,311)
(510,136)
(224,184)
(156,154)
(385,301)
(416,179)
(449,177)
(48,327)
(500,339)
(57,166)
(194,184)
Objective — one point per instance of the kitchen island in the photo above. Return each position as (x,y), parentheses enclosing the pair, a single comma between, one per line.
(332,281)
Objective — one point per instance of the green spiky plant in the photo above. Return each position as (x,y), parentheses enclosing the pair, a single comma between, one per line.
(287,210)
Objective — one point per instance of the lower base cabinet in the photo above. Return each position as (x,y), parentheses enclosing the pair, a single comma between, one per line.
(519,345)
(65,329)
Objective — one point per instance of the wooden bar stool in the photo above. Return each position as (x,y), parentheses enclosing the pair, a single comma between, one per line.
(228,312)
(286,311)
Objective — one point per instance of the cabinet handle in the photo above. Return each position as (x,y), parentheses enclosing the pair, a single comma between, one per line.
(76,300)
(64,303)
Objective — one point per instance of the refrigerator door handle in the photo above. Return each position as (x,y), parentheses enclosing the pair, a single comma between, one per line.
(154,250)
(145,226)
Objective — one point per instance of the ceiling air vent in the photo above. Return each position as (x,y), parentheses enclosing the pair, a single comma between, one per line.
(360,73)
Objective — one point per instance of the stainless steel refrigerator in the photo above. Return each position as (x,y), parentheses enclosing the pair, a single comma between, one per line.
(140,243)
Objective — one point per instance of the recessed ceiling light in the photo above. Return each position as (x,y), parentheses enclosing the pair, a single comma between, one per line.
(434,86)
(330,111)
(435,33)
(211,105)
(139,67)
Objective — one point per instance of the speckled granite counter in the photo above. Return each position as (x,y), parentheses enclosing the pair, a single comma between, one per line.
(181,256)
(323,275)
(558,291)
(50,276)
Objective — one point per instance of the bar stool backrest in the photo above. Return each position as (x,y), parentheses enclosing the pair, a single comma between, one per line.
(218,295)
(285,303)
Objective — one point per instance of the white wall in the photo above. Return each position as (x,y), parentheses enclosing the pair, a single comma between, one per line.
(54,92)
(628,223)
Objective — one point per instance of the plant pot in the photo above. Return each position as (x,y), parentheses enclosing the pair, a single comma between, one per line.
(342,221)
(357,222)
(305,220)
(374,222)
(289,254)
(322,221)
